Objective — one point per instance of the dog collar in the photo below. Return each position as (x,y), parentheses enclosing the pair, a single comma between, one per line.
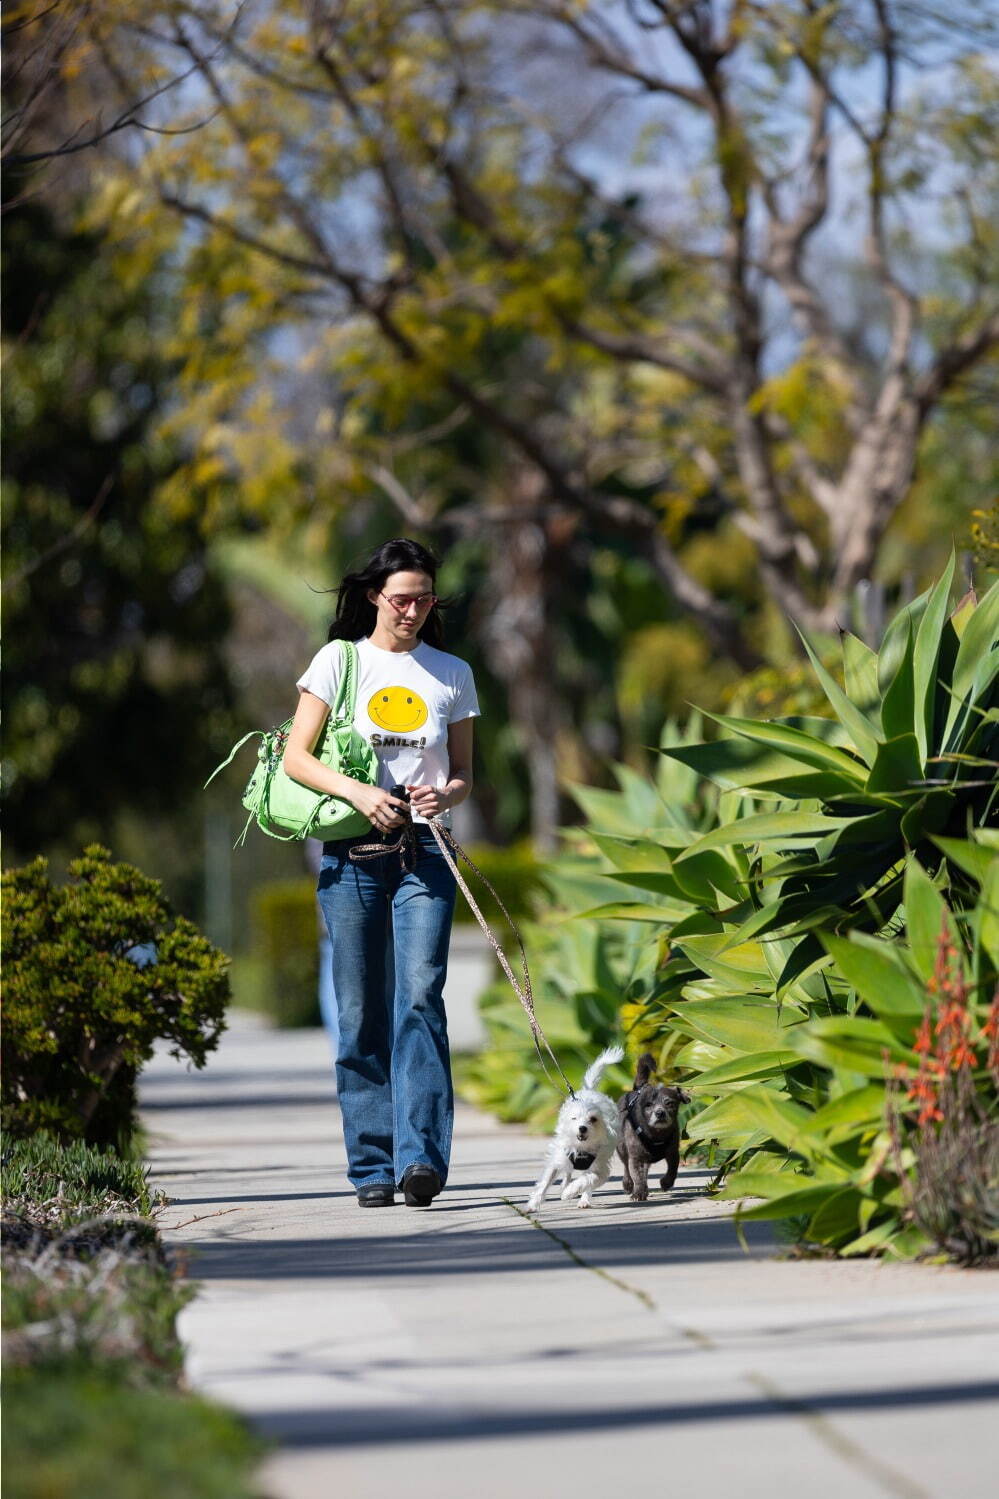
(582,1159)
(656,1149)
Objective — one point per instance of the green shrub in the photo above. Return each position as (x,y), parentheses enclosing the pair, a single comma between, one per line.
(72,1436)
(908,757)
(81,1016)
(880,1130)
(799,932)
(283,981)
(515,873)
(285,938)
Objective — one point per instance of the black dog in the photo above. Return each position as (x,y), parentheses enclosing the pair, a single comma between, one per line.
(649,1131)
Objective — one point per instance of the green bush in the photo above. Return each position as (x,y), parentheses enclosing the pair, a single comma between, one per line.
(285,940)
(72,1436)
(515,873)
(81,1016)
(878,1128)
(284,978)
(908,757)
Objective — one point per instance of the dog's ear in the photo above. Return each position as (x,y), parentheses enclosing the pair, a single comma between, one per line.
(683,1096)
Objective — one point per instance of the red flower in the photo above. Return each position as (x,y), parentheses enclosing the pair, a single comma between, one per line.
(961,1055)
(924,1040)
(951,1017)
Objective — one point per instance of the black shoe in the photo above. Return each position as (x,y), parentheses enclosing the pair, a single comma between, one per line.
(377,1195)
(420,1185)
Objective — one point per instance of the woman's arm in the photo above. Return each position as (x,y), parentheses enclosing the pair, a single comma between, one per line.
(429,801)
(378,806)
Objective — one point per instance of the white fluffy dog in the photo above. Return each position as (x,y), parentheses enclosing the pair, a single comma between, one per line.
(584,1140)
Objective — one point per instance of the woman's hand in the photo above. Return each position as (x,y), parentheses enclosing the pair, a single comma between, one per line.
(428,800)
(383,810)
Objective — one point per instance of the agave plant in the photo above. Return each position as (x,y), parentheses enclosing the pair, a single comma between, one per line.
(782,992)
(914,1011)
(781,921)
(908,757)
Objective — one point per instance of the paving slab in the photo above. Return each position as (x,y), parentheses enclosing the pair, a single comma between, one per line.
(468,1349)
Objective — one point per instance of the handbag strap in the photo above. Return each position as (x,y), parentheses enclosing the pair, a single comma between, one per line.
(253,734)
(341,714)
(346,697)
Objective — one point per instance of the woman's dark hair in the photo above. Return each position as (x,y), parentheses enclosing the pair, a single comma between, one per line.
(356,615)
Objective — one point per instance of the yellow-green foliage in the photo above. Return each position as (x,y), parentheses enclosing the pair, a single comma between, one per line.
(663,668)
(724,561)
(985,537)
(774,691)
(286,936)
(335,225)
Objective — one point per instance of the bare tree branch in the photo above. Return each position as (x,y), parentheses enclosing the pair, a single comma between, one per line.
(954,360)
(787,238)
(17,126)
(608,51)
(413,512)
(64,542)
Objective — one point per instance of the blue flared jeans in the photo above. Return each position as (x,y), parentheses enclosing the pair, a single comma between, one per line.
(389,932)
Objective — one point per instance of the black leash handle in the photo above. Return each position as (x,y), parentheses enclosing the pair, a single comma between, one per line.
(404,845)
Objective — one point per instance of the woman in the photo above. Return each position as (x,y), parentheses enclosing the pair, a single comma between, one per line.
(390,926)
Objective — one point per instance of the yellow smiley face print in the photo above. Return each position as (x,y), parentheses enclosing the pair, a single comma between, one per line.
(397,709)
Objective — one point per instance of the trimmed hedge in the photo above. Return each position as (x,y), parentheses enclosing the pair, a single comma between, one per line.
(286,925)
(286,946)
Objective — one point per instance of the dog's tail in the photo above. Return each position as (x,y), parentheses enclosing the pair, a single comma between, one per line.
(646,1067)
(596,1069)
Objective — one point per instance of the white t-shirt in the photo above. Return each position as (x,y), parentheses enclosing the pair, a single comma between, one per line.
(405,701)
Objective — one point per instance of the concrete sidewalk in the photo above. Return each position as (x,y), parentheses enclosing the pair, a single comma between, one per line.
(466,1350)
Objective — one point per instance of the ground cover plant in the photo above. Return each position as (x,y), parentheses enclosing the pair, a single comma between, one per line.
(786,959)
(96,971)
(93,1367)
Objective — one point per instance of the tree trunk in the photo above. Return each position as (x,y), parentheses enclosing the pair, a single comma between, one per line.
(517,640)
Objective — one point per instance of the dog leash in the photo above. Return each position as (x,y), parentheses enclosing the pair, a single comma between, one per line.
(405,847)
(449,845)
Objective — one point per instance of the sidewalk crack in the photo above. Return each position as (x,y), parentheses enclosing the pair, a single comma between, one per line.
(577,1259)
(894,1483)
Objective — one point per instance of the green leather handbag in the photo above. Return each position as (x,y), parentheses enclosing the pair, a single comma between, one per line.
(285,808)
